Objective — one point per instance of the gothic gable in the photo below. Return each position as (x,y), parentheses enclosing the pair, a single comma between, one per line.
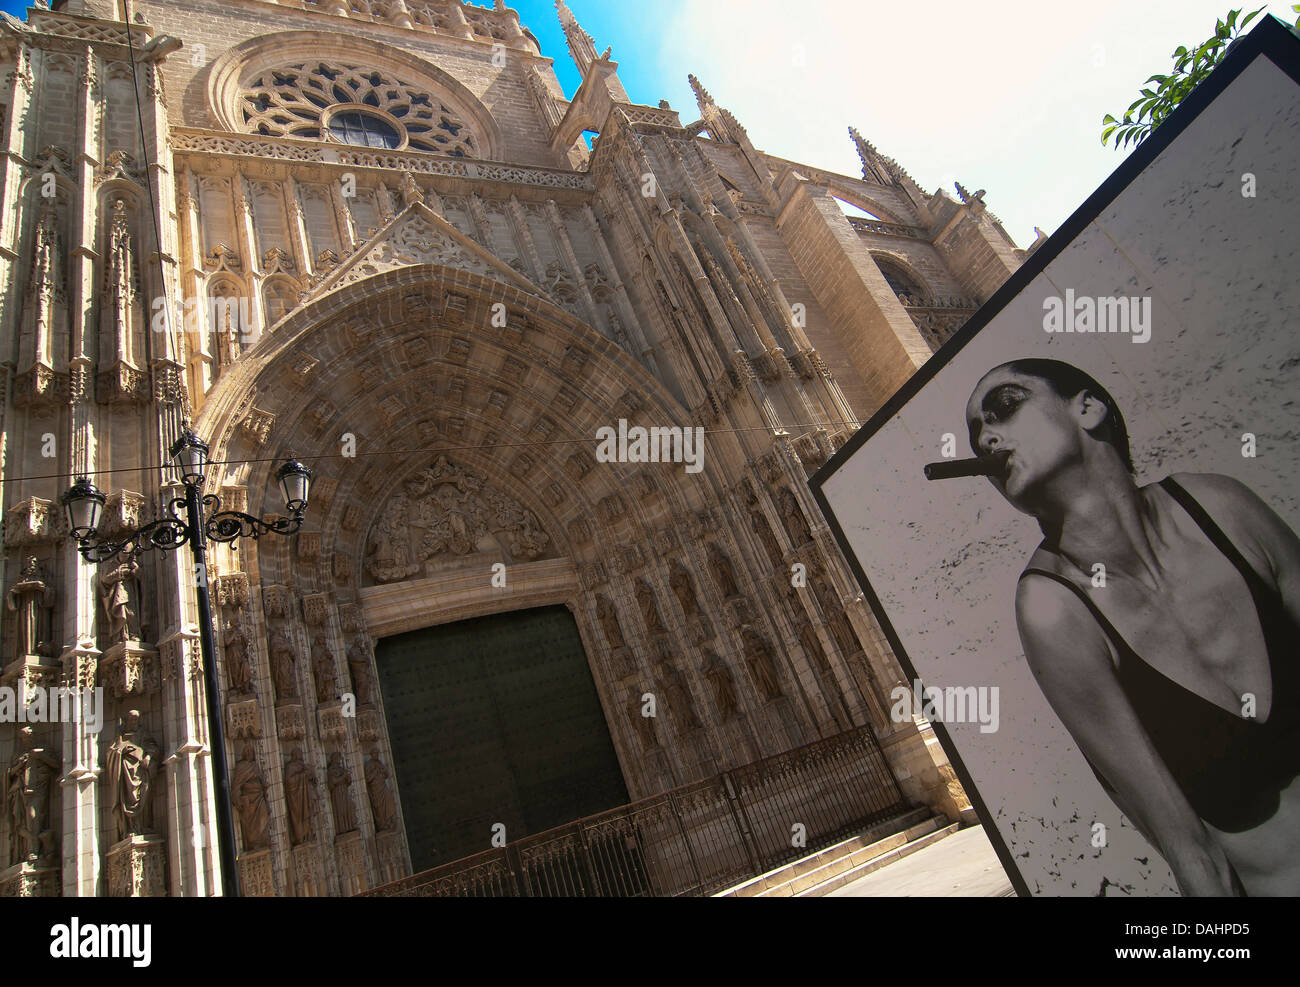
(418,235)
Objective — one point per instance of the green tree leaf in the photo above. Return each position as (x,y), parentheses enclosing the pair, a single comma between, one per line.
(1190,69)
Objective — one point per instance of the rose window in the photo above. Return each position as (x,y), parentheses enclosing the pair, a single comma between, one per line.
(355,106)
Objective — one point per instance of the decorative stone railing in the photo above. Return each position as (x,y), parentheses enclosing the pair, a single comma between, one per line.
(654,115)
(192,140)
(863,225)
(927,301)
(449,18)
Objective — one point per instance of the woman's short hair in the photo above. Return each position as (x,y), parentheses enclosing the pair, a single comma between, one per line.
(1067,381)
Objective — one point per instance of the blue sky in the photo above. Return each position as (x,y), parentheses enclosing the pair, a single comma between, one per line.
(1006,96)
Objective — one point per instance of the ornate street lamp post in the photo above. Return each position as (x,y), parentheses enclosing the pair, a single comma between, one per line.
(84,503)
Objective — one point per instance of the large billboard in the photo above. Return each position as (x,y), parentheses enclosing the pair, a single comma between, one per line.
(1106,555)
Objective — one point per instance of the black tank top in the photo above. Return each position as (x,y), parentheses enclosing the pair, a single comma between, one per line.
(1231,768)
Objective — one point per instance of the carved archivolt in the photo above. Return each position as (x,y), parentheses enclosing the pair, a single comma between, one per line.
(446,511)
(302,100)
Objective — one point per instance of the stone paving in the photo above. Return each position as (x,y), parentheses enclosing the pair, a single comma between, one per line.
(963,865)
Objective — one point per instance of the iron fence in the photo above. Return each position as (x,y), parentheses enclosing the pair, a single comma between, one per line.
(693,840)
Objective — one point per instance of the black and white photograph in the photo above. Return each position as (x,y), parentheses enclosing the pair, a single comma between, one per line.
(608,449)
(1091,507)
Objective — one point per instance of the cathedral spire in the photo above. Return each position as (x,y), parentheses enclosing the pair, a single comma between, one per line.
(581,46)
(877,167)
(722,126)
(702,96)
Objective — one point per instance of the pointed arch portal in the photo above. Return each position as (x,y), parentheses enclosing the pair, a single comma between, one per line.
(444,443)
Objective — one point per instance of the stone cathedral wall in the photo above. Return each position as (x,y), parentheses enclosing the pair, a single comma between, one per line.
(440,334)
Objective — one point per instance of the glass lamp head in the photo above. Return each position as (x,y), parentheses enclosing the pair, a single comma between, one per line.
(295,483)
(84,503)
(190,455)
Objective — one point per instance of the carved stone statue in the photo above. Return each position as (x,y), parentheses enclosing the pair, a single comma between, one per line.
(131,762)
(645,598)
(283,666)
(616,330)
(812,646)
(340,786)
(359,668)
(526,538)
(723,687)
(411,191)
(822,590)
(758,656)
(322,664)
(684,590)
(460,525)
(299,797)
(27,800)
(842,631)
(795,523)
(383,806)
(724,576)
(768,540)
(248,793)
(119,593)
(679,698)
(388,550)
(608,618)
(644,725)
(32,600)
(836,621)
(238,668)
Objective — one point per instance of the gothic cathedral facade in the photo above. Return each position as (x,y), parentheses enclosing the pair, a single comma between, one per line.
(375,235)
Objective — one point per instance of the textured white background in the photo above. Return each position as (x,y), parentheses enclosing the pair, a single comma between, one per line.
(1223,272)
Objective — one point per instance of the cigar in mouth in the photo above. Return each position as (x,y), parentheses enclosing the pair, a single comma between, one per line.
(950,469)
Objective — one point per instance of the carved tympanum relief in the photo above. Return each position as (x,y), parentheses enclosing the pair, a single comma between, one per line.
(445,511)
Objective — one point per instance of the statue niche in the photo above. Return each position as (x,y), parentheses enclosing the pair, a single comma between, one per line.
(119,596)
(445,512)
(31,600)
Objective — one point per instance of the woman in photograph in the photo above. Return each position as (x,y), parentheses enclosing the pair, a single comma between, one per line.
(1162,623)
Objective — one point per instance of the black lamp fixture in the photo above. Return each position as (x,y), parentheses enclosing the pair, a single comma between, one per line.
(190,455)
(84,504)
(295,483)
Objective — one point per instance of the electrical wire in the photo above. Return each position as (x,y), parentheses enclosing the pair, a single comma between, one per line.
(429,450)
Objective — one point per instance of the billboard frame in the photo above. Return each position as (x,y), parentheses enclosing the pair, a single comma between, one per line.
(1272,39)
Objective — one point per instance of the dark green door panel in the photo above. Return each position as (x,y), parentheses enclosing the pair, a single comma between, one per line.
(494,720)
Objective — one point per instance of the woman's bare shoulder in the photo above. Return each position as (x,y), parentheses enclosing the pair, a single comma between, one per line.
(1056,629)
(1241,513)
(1232,504)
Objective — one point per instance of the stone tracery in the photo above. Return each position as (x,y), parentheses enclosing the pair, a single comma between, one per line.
(304,100)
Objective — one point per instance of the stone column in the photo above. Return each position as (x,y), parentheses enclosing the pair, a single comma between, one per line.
(298,229)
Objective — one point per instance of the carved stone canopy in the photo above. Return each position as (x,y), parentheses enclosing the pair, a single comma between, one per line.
(445,511)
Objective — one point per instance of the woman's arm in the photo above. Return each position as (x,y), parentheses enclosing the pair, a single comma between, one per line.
(1070,659)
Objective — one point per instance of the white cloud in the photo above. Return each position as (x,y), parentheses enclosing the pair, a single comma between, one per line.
(1006,96)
